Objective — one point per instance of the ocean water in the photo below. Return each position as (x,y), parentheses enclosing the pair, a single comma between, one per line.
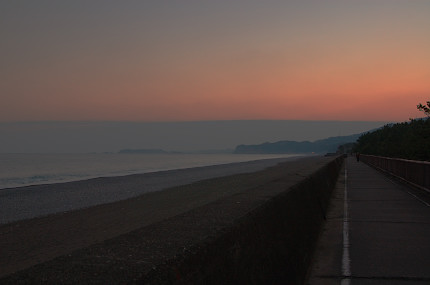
(32,169)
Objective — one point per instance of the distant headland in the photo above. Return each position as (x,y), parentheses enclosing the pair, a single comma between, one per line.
(328,145)
(147,151)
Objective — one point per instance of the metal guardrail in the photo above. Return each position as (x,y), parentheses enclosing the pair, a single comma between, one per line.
(412,171)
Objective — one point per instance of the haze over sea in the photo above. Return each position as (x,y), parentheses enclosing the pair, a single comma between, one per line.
(49,152)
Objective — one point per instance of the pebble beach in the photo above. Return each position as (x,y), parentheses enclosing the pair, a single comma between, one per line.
(27,242)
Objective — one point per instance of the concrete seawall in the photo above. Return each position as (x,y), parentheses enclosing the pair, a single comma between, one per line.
(272,244)
(263,235)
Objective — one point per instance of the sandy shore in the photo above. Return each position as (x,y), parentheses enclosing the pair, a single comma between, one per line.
(29,242)
(40,200)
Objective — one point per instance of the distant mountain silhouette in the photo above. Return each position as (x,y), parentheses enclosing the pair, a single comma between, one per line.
(320,146)
(146,151)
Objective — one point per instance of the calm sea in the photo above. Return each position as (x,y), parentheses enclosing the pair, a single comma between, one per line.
(32,169)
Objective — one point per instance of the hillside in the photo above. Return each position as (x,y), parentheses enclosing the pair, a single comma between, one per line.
(320,146)
(144,151)
(409,140)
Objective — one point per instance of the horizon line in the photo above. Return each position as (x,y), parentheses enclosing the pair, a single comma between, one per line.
(196,121)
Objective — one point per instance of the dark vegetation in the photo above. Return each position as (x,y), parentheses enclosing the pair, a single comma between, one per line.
(408,140)
(424,108)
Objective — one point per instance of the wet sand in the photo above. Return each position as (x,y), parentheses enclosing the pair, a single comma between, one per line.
(29,242)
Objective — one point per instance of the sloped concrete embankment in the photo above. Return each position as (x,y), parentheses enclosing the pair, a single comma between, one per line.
(270,245)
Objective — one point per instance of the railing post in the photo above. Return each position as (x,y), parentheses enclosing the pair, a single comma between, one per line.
(412,171)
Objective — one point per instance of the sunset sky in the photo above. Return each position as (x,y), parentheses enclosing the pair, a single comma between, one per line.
(214,60)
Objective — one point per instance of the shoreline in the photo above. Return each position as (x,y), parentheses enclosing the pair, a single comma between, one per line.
(33,241)
(27,202)
(21,171)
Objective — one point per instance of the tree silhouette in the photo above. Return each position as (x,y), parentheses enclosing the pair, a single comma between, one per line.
(409,140)
(424,108)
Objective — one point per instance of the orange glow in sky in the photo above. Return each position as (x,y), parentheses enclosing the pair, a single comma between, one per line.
(214,60)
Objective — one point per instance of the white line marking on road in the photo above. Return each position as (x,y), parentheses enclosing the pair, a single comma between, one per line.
(346,261)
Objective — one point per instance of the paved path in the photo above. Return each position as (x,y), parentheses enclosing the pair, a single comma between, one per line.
(377,232)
